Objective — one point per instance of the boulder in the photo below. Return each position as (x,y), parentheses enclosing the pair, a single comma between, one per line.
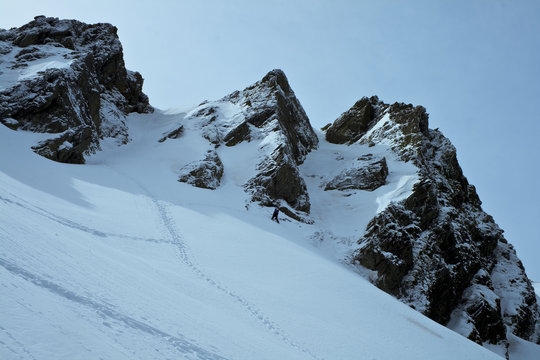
(370,174)
(205,174)
(67,148)
(174,134)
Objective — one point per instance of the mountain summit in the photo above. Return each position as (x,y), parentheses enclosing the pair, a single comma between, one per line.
(68,79)
(162,245)
(268,113)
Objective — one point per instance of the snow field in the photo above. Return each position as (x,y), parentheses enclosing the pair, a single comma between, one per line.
(117,260)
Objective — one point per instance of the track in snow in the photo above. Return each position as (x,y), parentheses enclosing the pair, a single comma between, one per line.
(23,353)
(66,222)
(178,342)
(168,222)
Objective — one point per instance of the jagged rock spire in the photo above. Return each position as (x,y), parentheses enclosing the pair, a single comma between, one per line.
(269,113)
(273,99)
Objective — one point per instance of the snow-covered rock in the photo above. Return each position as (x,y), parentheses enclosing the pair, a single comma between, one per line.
(67,78)
(355,122)
(173,134)
(437,250)
(370,174)
(205,174)
(269,114)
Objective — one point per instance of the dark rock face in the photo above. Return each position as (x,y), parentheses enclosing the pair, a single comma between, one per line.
(86,92)
(67,148)
(175,134)
(404,127)
(267,112)
(483,308)
(355,122)
(205,174)
(370,175)
(272,104)
(437,250)
(272,109)
(279,178)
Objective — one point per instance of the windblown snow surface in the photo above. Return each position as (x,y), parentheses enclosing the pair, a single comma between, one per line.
(116,259)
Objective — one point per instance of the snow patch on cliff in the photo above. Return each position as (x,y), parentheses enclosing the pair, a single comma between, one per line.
(15,68)
(344,215)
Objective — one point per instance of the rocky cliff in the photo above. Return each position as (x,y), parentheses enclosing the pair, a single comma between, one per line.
(269,114)
(437,250)
(67,79)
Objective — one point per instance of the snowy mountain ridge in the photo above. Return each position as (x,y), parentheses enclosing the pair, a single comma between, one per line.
(161,245)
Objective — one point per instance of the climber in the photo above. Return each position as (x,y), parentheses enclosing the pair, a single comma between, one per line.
(275,214)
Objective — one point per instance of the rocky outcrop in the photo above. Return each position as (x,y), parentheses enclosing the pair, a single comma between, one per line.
(174,134)
(68,147)
(278,178)
(269,113)
(370,174)
(205,174)
(274,115)
(480,311)
(271,105)
(404,128)
(437,250)
(67,78)
(355,122)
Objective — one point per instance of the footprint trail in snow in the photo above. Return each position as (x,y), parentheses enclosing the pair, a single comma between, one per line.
(176,238)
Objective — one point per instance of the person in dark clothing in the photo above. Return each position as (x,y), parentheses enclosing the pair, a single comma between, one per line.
(275,214)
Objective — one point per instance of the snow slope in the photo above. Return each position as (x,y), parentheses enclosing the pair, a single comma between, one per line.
(117,260)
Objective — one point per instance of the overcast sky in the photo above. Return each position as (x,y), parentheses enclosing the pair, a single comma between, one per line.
(475,66)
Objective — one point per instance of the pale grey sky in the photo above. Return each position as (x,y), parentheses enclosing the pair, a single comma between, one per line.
(475,66)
